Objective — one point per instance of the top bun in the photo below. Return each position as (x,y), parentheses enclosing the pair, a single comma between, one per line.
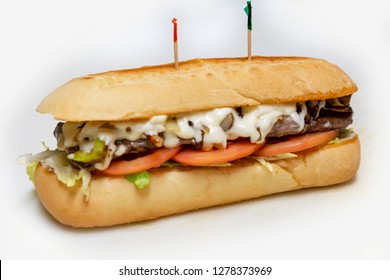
(198,84)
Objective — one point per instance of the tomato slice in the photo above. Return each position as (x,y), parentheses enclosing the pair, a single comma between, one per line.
(297,143)
(140,164)
(233,151)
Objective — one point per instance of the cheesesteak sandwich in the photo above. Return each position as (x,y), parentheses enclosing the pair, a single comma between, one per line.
(143,143)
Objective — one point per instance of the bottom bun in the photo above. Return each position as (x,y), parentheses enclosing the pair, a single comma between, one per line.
(113,200)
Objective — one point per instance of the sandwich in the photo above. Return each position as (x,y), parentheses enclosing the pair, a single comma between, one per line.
(139,144)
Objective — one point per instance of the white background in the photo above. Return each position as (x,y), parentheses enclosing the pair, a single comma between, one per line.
(46,43)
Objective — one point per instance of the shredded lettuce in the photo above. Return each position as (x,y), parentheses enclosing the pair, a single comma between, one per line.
(45,146)
(225,164)
(280,156)
(264,161)
(30,170)
(334,141)
(171,164)
(98,152)
(139,179)
(61,166)
(57,162)
(344,134)
(85,179)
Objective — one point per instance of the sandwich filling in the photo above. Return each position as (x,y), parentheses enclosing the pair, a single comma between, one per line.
(96,146)
(205,130)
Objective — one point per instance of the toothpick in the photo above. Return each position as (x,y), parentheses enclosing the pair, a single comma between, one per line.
(248,11)
(175,47)
(249,44)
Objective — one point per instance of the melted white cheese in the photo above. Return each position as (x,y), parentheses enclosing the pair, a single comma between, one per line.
(255,122)
(70,130)
(321,105)
(135,130)
(204,125)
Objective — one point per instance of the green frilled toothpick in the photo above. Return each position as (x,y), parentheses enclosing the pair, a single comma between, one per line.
(248,11)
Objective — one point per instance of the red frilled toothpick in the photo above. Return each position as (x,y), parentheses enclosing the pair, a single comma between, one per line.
(175,48)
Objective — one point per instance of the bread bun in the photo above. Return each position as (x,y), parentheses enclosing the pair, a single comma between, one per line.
(199,84)
(113,200)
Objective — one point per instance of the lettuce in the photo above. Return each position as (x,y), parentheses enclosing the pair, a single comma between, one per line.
(61,166)
(225,164)
(264,161)
(171,164)
(85,179)
(45,146)
(30,170)
(343,134)
(346,133)
(280,156)
(98,152)
(334,141)
(139,179)
(57,162)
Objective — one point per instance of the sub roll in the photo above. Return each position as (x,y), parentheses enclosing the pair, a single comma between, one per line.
(138,144)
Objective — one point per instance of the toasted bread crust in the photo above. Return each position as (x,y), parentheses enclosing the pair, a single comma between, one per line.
(199,84)
(113,200)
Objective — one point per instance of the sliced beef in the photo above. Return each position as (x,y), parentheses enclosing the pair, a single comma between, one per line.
(140,145)
(58,131)
(143,145)
(330,118)
(283,127)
